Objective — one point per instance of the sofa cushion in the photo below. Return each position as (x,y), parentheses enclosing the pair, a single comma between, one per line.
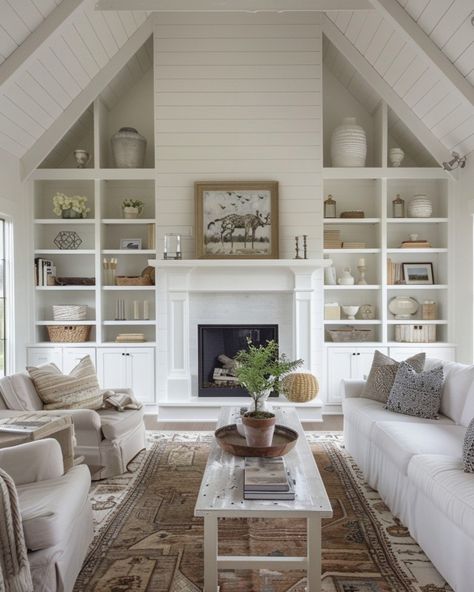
(458,379)
(18,392)
(468,410)
(77,390)
(416,393)
(117,423)
(441,478)
(382,375)
(49,507)
(400,441)
(468,449)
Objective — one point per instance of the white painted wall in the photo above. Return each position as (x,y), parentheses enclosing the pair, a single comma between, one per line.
(14,205)
(238,96)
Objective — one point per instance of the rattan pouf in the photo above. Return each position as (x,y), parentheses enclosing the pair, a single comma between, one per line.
(300,387)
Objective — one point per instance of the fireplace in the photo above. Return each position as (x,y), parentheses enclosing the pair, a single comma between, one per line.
(215,341)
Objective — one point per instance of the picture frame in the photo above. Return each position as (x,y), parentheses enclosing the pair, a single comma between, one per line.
(418,273)
(131,243)
(236,219)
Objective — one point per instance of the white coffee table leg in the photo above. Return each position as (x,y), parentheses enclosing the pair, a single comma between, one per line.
(210,553)
(314,553)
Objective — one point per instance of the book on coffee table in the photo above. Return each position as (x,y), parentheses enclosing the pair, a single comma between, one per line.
(267,478)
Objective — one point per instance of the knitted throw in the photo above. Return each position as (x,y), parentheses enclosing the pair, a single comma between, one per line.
(15,575)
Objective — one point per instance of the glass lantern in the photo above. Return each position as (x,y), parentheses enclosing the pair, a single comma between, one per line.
(398,205)
(172,246)
(330,207)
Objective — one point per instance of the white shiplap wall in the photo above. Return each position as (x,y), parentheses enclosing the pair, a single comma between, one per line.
(238,96)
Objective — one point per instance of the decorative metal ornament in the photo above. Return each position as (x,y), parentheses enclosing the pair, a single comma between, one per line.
(68,239)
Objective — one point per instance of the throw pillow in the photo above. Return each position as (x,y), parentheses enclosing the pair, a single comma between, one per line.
(383,372)
(468,449)
(416,393)
(77,390)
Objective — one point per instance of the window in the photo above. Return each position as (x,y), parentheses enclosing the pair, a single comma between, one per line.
(4,293)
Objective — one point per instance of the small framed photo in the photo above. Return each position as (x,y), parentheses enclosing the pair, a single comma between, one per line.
(131,243)
(236,220)
(418,273)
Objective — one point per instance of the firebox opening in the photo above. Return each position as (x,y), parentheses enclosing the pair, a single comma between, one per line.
(217,346)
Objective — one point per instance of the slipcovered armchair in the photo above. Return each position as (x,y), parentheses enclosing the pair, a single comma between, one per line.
(108,439)
(55,511)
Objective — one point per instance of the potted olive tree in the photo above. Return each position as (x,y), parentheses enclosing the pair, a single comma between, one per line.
(260,370)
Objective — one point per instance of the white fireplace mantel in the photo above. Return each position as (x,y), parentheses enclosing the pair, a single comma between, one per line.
(177,281)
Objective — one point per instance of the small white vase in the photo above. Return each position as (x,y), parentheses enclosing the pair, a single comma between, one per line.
(420,207)
(348,144)
(396,155)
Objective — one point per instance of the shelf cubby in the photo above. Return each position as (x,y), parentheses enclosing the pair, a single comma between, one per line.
(45,190)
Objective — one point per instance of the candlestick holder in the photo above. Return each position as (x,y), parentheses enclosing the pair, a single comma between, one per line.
(361,269)
(305,246)
(297,248)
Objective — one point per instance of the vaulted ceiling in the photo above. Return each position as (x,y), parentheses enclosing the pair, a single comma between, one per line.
(52,52)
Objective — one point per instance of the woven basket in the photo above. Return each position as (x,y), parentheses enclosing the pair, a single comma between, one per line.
(123,280)
(69,312)
(300,387)
(347,335)
(68,333)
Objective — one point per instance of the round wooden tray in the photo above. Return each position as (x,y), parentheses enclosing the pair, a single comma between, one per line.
(229,439)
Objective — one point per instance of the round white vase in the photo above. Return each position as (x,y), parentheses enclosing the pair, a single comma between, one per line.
(348,144)
(396,155)
(420,207)
(403,307)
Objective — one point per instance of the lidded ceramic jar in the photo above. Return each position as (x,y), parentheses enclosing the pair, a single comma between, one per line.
(420,206)
(403,307)
(348,144)
(128,148)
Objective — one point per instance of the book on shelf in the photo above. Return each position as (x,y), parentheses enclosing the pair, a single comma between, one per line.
(394,273)
(332,238)
(151,236)
(418,244)
(130,338)
(353,245)
(44,268)
(267,478)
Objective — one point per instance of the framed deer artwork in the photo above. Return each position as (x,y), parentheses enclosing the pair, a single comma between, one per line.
(236,219)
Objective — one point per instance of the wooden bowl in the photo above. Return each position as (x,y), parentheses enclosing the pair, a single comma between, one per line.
(229,439)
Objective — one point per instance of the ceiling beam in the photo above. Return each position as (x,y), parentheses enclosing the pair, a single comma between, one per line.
(395,14)
(385,91)
(233,5)
(27,51)
(41,148)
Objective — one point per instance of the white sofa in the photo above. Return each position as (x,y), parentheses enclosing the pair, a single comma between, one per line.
(416,465)
(55,511)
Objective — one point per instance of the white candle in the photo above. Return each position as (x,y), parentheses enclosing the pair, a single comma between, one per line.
(178,243)
(146,310)
(165,247)
(361,262)
(136,310)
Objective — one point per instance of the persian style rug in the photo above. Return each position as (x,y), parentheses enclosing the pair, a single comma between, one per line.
(148,540)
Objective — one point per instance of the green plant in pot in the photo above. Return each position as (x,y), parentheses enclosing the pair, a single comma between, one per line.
(260,370)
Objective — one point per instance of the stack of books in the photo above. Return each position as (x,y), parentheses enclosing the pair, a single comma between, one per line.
(130,338)
(415,244)
(394,273)
(45,271)
(267,479)
(353,245)
(332,239)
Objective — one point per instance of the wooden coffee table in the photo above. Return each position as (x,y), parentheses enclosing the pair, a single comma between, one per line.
(42,426)
(221,496)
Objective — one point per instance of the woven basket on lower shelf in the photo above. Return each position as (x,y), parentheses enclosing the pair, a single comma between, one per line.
(350,334)
(300,387)
(68,333)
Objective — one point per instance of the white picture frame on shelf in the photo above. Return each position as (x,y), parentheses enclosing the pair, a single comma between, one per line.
(418,273)
(131,244)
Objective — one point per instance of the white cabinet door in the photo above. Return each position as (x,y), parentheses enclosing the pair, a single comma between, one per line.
(73,355)
(141,368)
(36,356)
(364,357)
(112,366)
(340,362)
(448,354)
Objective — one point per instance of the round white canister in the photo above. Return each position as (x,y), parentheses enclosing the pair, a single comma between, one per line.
(348,144)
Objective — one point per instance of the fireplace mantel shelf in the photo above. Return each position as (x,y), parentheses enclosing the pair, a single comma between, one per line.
(303,264)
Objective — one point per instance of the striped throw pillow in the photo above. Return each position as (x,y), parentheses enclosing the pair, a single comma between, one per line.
(77,390)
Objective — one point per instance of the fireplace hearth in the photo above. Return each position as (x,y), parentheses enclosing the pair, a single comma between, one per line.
(217,346)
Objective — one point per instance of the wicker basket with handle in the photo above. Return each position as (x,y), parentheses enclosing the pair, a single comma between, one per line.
(300,387)
(68,333)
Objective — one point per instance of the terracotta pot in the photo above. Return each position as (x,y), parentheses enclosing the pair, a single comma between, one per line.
(259,432)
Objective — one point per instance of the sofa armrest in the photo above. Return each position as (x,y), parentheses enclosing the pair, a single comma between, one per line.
(33,461)
(83,419)
(352,388)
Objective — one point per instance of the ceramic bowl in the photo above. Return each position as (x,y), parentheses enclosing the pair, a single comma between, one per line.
(350,311)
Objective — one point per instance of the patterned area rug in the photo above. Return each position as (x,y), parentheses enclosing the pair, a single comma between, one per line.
(148,540)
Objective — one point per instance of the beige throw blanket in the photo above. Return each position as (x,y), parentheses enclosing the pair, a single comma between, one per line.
(15,573)
(120,401)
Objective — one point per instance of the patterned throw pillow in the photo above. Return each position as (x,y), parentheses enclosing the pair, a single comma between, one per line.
(383,372)
(468,449)
(416,393)
(77,390)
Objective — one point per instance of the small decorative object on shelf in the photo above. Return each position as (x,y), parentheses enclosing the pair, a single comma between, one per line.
(415,243)
(297,247)
(149,272)
(120,313)
(67,239)
(361,268)
(330,207)
(348,144)
(82,158)
(123,280)
(109,267)
(353,214)
(366,312)
(69,312)
(418,273)
(403,307)
(346,278)
(172,246)
(350,311)
(398,207)
(305,246)
(420,206)
(70,207)
(396,155)
(332,311)
(131,243)
(128,148)
(429,310)
(132,208)
(330,276)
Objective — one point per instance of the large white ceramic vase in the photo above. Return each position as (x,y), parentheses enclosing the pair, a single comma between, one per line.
(348,144)
(420,206)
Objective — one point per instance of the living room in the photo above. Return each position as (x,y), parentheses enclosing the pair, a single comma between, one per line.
(179,178)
